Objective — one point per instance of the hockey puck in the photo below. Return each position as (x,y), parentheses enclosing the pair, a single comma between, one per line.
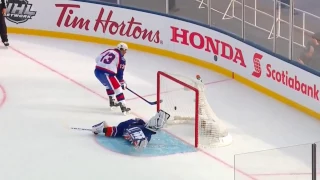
(175,108)
(215,58)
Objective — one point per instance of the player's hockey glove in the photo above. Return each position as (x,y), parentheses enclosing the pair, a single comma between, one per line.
(123,84)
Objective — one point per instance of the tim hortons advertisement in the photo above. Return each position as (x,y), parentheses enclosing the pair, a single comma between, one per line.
(107,22)
(95,20)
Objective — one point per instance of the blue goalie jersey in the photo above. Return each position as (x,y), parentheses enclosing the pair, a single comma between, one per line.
(130,125)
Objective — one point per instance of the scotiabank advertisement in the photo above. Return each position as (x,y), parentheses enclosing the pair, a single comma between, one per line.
(173,35)
(288,80)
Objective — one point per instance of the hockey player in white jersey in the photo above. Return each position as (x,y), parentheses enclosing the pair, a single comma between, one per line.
(109,70)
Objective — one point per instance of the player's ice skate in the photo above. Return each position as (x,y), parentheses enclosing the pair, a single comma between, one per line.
(124,109)
(98,128)
(112,103)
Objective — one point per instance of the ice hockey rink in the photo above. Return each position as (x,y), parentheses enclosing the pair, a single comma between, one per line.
(48,85)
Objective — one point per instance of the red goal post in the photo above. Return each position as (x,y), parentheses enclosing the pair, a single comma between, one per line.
(184,99)
(196,92)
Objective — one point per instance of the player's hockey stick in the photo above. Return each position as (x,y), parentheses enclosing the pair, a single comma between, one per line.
(151,103)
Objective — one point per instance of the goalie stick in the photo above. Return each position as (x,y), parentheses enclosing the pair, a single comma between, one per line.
(82,129)
(151,103)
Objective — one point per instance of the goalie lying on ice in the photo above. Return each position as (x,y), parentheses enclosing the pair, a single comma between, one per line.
(136,131)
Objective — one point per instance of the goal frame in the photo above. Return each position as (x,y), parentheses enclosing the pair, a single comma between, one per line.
(161,74)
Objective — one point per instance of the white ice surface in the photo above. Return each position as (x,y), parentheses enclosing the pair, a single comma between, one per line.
(52,87)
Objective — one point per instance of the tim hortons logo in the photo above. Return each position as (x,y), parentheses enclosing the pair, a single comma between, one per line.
(256,64)
(208,44)
(104,22)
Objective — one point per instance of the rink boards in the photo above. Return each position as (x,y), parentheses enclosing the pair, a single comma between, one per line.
(173,37)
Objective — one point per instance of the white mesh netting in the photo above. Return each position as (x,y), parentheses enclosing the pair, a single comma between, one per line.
(179,102)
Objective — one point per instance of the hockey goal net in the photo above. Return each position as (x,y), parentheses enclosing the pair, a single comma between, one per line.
(185,100)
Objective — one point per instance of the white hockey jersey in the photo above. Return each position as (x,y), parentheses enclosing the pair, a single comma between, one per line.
(109,61)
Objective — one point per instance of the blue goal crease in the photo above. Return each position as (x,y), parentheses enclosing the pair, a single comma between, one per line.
(161,144)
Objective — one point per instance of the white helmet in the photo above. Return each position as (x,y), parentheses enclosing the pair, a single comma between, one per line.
(122,45)
(158,121)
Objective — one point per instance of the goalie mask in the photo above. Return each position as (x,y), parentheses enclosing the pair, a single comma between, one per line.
(158,121)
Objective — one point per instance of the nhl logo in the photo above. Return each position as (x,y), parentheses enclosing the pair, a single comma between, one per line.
(19,11)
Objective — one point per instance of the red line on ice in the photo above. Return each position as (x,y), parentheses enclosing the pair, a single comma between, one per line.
(4,96)
(92,91)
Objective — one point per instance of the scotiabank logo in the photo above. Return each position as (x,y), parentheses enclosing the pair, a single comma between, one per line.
(215,46)
(292,82)
(104,22)
(256,64)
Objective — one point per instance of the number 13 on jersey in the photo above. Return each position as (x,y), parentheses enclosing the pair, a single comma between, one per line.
(108,57)
(109,60)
